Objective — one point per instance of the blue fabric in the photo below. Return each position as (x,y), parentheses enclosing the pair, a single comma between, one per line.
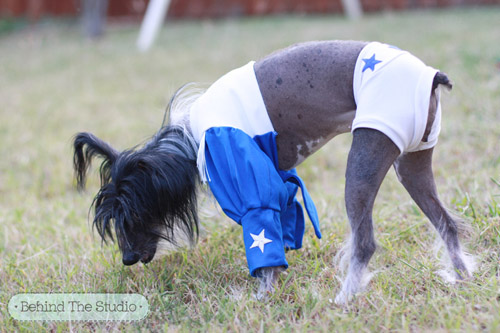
(267,143)
(265,222)
(292,220)
(245,179)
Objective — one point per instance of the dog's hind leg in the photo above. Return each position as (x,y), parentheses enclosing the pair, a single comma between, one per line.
(372,154)
(414,171)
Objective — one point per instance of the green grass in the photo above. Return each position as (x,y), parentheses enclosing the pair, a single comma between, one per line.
(54,84)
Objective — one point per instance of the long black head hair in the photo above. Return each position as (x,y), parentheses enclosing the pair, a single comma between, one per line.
(147,193)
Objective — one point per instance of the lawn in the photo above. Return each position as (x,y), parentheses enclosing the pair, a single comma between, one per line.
(53,84)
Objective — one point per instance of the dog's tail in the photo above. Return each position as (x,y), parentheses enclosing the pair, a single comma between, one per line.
(441,78)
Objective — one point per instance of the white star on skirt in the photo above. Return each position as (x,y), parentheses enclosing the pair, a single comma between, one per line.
(260,240)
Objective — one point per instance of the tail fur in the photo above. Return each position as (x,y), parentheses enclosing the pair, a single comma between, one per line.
(441,78)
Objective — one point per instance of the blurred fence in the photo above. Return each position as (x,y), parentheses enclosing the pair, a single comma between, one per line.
(134,9)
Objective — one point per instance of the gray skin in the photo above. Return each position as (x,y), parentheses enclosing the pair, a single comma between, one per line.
(308,92)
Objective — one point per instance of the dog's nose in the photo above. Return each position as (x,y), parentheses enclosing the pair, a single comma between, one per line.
(130,258)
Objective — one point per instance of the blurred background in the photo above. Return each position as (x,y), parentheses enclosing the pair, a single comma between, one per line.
(133,10)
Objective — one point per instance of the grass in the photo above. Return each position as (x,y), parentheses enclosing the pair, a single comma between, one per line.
(54,84)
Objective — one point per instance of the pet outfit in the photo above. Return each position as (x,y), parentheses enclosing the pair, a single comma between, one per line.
(238,157)
(392,92)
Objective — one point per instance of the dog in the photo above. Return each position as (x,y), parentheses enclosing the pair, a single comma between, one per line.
(248,131)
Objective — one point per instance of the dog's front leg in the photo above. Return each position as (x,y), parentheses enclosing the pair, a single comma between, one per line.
(268,277)
(414,171)
(372,154)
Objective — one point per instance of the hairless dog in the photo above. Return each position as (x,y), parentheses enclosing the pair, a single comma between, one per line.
(246,134)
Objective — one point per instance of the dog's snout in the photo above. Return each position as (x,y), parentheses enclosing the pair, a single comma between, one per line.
(147,258)
(130,258)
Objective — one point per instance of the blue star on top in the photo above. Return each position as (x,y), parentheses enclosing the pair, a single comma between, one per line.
(370,63)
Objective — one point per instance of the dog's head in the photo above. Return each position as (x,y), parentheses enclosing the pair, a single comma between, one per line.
(147,194)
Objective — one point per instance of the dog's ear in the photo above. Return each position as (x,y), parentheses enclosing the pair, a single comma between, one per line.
(87,146)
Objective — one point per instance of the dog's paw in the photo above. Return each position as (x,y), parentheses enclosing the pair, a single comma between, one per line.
(266,290)
(463,275)
(343,298)
(452,276)
(268,277)
(461,272)
(263,295)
